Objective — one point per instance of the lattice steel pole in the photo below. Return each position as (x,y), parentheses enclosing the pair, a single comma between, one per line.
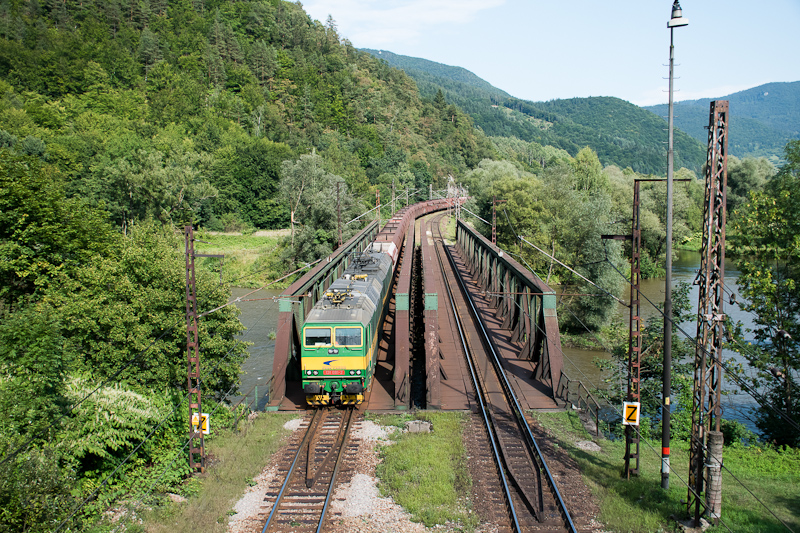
(634,336)
(197,452)
(710,320)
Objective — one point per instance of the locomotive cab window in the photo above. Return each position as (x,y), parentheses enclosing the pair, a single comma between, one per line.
(348,337)
(317,337)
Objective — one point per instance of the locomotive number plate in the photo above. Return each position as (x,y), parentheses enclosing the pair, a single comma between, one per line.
(333,372)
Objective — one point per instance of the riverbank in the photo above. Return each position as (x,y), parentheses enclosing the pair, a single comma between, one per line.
(250,260)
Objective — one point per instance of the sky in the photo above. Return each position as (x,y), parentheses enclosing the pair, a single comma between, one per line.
(542,50)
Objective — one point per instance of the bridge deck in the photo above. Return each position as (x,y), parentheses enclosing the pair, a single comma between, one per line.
(456,389)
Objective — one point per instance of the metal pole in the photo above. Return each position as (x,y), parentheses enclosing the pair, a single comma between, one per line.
(197,453)
(338,214)
(667,386)
(494,220)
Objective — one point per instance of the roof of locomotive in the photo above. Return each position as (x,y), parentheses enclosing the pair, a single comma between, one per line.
(364,294)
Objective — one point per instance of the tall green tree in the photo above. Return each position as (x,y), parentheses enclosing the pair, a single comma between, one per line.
(42,233)
(767,237)
(311,194)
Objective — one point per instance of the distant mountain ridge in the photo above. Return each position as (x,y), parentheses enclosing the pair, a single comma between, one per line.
(620,132)
(762,119)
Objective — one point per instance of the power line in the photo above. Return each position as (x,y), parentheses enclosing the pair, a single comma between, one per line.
(743,385)
(72,408)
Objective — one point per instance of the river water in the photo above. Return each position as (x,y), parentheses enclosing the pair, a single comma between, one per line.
(579,364)
(259,314)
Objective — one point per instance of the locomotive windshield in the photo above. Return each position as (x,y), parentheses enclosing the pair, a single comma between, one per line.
(317,337)
(348,336)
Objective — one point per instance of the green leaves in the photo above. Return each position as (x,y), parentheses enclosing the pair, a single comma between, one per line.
(765,233)
(42,234)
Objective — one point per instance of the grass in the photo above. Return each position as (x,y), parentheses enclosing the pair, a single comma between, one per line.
(236,458)
(250,260)
(640,505)
(427,473)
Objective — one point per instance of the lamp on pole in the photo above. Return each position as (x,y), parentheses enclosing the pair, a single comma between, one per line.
(676,21)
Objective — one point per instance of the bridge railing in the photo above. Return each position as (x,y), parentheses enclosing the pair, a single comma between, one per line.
(526,304)
(574,392)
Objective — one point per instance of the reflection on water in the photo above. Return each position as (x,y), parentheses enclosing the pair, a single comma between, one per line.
(259,314)
(736,405)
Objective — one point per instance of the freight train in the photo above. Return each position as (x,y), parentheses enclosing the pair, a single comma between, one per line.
(340,336)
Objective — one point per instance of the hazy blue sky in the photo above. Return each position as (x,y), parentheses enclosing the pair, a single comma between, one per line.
(540,50)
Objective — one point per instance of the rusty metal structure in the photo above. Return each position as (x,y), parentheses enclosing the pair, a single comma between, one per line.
(297,301)
(433,398)
(524,302)
(634,335)
(197,454)
(706,408)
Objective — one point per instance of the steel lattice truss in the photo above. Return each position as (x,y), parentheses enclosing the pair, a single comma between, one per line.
(706,409)
(196,441)
(634,336)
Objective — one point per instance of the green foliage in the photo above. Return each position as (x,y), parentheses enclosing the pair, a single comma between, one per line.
(766,233)
(311,192)
(34,358)
(186,115)
(42,234)
(36,490)
(564,211)
(652,370)
(746,176)
(126,310)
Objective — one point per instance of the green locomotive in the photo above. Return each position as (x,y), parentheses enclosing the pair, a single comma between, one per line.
(340,335)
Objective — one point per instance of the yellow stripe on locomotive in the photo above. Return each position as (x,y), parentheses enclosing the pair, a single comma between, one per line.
(334,364)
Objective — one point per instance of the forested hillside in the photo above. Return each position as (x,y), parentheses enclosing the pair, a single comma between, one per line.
(763,119)
(121,121)
(185,109)
(619,132)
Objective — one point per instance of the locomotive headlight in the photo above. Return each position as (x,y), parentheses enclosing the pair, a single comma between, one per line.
(352,372)
(358,372)
(308,372)
(316,372)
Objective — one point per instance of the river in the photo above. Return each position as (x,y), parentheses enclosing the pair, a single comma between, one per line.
(578,364)
(259,314)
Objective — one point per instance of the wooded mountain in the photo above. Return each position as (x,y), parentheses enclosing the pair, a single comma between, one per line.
(183,110)
(620,132)
(762,119)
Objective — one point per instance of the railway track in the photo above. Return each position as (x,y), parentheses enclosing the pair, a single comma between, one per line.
(531,500)
(300,499)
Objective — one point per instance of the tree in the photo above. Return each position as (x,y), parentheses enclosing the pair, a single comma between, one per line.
(767,237)
(125,315)
(311,192)
(42,233)
(746,175)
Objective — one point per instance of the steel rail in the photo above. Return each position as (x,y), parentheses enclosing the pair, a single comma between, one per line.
(342,445)
(484,411)
(311,428)
(514,403)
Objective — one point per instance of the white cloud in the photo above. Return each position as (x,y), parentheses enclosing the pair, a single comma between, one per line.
(379,23)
